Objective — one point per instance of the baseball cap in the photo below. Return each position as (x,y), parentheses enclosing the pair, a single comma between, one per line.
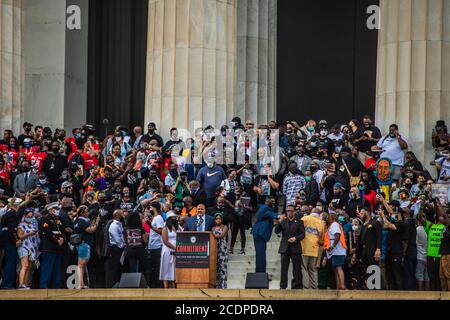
(170,214)
(338,185)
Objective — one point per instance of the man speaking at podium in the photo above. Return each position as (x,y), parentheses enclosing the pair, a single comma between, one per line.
(200,222)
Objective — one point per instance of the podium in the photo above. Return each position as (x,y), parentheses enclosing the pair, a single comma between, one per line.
(196,260)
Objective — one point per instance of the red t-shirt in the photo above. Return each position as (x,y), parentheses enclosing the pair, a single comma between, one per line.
(370,163)
(372,198)
(5,176)
(37,160)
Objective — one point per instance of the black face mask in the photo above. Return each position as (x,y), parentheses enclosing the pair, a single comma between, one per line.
(101,201)
(151,131)
(55,150)
(408,185)
(25,169)
(174,173)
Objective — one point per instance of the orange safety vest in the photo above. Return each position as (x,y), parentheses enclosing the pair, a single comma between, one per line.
(327,243)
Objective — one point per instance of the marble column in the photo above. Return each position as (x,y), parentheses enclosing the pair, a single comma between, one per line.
(191,63)
(413,77)
(256,60)
(11,64)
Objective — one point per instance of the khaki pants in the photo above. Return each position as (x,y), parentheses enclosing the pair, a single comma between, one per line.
(309,272)
(444,272)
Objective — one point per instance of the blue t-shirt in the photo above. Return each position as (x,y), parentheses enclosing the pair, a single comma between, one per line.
(210,179)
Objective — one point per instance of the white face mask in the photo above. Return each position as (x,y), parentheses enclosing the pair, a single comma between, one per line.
(323,133)
(355,227)
(118,139)
(210,165)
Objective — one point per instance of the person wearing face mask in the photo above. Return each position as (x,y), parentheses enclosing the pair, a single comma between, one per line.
(54,164)
(210,177)
(367,193)
(292,183)
(26,181)
(230,183)
(339,200)
(324,142)
(311,189)
(152,135)
(303,161)
(337,136)
(443,166)
(369,243)
(393,145)
(126,203)
(309,129)
(396,247)
(365,138)
(52,248)
(356,202)
(27,132)
(236,124)
(28,250)
(348,166)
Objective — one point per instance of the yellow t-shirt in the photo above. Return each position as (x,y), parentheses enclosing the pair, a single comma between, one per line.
(314,235)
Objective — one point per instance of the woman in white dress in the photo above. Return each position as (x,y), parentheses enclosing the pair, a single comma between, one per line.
(169,237)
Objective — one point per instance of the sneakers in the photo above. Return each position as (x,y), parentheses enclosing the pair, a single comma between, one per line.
(242,251)
(23,287)
(230,251)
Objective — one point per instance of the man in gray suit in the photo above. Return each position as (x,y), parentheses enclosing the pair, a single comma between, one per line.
(302,160)
(25,181)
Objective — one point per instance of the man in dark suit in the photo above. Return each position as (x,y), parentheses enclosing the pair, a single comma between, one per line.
(200,222)
(292,231)
(262,231)
(26,181)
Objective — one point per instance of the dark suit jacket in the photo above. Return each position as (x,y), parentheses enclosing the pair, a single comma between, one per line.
(192,226)
(312,192)
(20,186)
(264,222)
(288,229)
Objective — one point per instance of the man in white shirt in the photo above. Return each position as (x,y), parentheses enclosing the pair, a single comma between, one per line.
(392,146)
(154,246)
(116,245)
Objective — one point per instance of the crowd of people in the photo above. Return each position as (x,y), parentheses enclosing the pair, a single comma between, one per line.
(341,198)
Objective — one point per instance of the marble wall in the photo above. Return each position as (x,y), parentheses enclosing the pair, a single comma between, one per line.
(413,77)
(11,64)
(256,60)
(55,64)
(191,63)
(44,52)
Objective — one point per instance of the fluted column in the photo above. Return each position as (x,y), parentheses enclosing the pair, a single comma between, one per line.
(191,63)
(413,84)
(256,60)
(11,64)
